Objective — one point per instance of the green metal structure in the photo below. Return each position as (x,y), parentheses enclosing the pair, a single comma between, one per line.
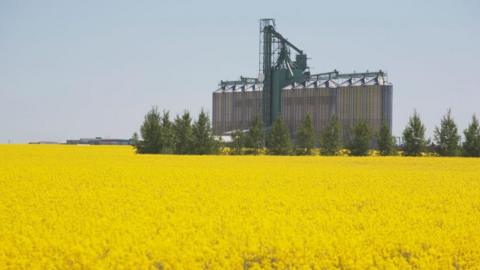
(285,89)
(276,68)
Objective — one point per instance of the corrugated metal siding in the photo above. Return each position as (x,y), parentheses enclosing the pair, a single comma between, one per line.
(368,103)
(296,103)
(351,104)
(235,110)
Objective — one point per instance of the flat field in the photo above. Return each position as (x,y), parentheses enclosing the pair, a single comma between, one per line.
(102,207)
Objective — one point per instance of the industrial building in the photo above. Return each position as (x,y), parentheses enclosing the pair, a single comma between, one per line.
(100,141)
(286,89)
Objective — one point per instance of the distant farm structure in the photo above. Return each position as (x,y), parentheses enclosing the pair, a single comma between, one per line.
(100,141)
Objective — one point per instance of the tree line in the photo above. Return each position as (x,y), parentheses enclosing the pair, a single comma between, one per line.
(159,134)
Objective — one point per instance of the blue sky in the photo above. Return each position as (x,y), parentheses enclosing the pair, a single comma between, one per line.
(71,69)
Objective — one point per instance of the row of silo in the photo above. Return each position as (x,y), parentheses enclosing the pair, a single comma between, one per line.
(350,100)
(351,104)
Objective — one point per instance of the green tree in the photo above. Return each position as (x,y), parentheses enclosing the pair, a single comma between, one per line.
(385,141)
(167,134)
(446,136)
(414,136)
(135,140)
(204,142)
(330,141)
(255,135)
(183,134)
(306,136)
(278,142)
(150,132)
(471,145)
(238,142)
(361,140)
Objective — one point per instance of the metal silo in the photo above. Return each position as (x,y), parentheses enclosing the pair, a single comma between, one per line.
(235,107)
(352,98)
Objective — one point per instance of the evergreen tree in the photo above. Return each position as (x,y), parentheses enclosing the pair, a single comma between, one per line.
(414,136)
(238,142)
(306,136)
(278,142)
(150,132)
(471,146)
(183,134)
(255,136)
(361,140)
(446,136)
(135,140)
(330,141)
(167,134)
(385,141)
(204,142)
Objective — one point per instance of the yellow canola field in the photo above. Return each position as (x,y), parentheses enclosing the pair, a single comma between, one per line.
(96,207)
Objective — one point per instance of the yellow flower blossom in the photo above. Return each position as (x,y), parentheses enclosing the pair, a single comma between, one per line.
(104,207)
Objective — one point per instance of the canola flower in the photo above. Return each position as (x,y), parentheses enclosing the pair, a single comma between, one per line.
(104,207)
